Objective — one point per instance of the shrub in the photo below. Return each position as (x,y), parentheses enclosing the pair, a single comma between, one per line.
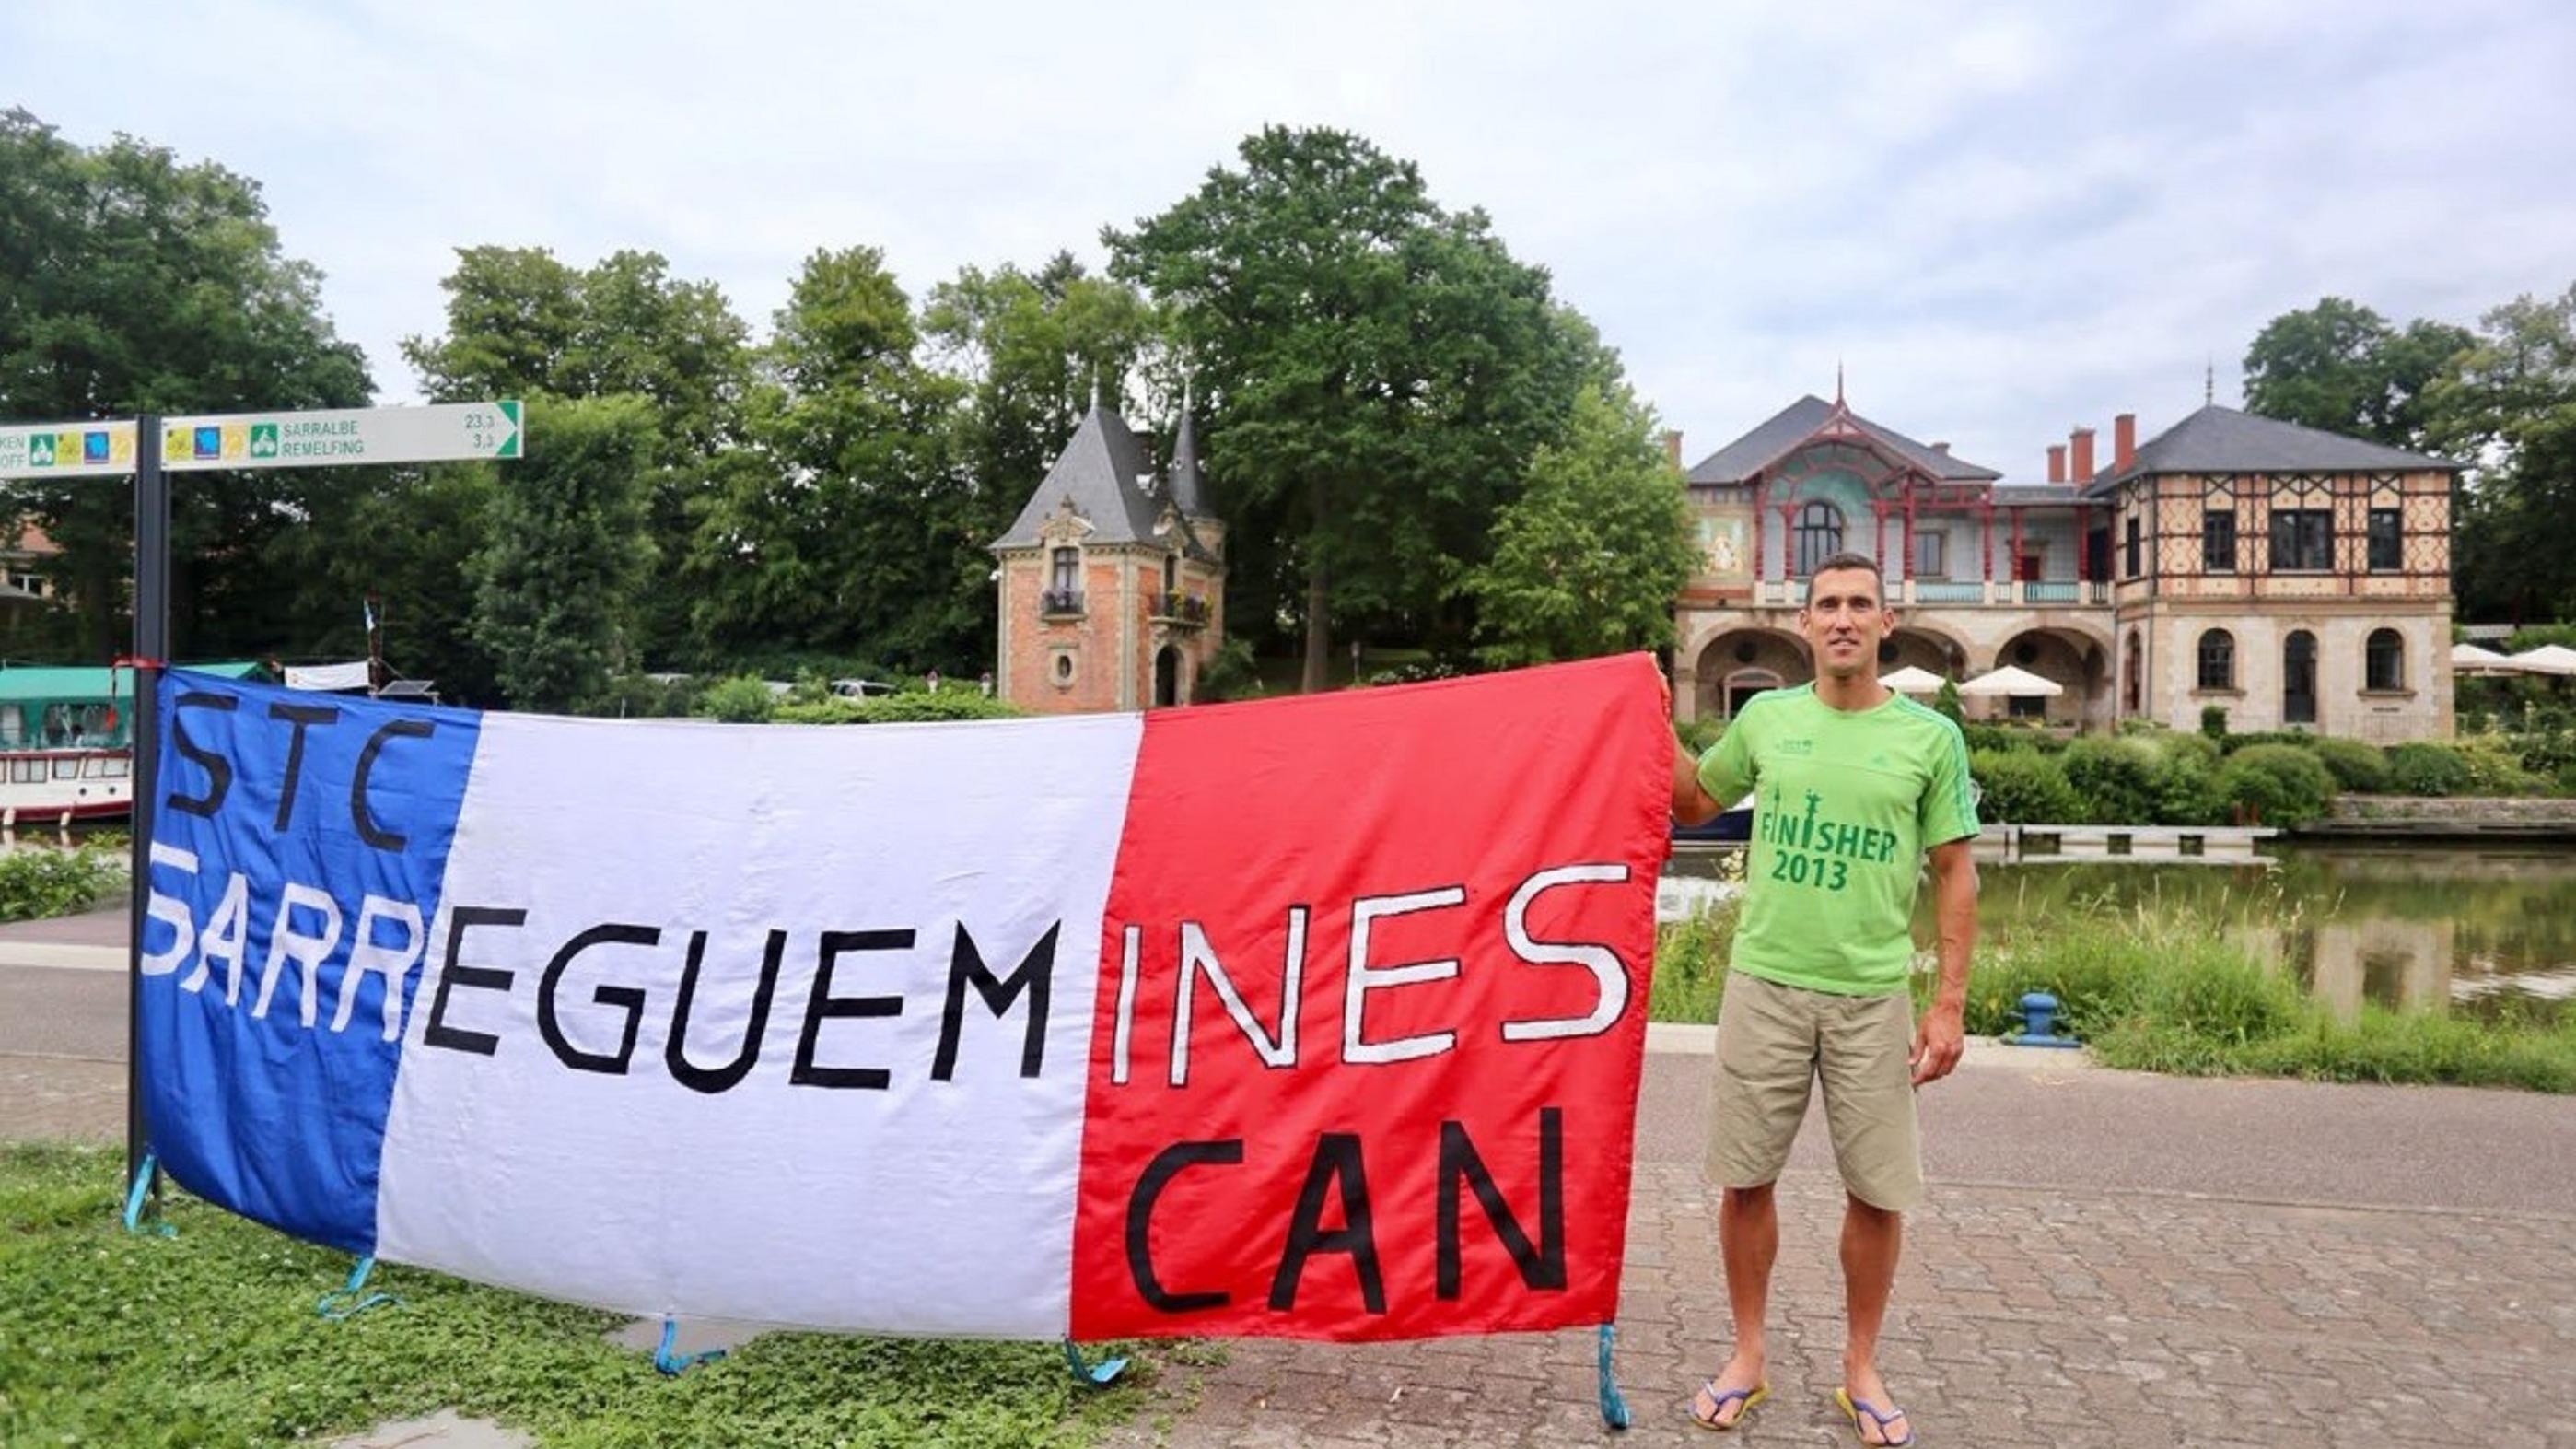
(1690,966)
(1981,735)
(2422,767)
(640,696)
(738,701)
(2567,779)
(2280,785)
(2213,722)
(37,882)
(947,705)
(2299,738)
(2547,752)
(918,707)
(1230,675)
(2023,787)
(2495,767)
(1946,702)
(815,711)
(2115,778)
(2356,765)
(2534,636)
(2185,783)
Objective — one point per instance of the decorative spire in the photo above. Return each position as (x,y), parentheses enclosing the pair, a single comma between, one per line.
(1095,388)
(1838,382)
(2209,382)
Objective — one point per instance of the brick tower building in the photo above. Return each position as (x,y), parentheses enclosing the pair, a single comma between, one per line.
(1112,578)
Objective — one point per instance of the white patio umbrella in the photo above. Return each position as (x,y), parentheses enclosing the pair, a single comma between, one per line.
(1912,679)
(2547,659)
(2470,659)
(2009,681)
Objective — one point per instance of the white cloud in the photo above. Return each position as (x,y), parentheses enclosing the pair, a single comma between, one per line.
(2005,219)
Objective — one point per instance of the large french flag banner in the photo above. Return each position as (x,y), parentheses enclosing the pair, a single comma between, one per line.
(1318,1017)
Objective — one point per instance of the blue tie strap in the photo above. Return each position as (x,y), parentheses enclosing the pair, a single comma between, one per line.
(671,1365)
(1098,1376)
(352,1300)
(1614,1409)
(136,1197)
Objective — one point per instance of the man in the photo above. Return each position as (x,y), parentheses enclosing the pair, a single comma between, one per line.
(1855,787)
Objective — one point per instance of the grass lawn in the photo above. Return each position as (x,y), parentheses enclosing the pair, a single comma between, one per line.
(210,1338)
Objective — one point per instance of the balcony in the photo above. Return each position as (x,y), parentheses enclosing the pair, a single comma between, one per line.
(1181,611)
(1060,604)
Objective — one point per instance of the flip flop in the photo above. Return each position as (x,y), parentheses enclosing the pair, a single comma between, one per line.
(1853,1408)
(1718,1403)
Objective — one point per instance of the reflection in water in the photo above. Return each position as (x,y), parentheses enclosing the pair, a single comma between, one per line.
(2410,925)
(2413,926)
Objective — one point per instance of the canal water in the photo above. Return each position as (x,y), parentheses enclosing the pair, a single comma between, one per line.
(2407,925)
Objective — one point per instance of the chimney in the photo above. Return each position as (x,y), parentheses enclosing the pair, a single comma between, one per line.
(2079,454)
(2057,462)
(2124,441)
(1673,448)
(1941,448)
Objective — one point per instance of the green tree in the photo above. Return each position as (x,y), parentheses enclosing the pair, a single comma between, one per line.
(1032,350)
(2510,406)
(131,282)
(1590,557)
(1378,372)
(409,542)
(521,322)
(849,528)
(2342,367)
(555,583)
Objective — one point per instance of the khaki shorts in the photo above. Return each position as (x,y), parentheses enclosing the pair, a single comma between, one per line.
(1773,1041)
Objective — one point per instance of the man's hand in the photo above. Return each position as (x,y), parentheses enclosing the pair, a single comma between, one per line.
(1939,1038)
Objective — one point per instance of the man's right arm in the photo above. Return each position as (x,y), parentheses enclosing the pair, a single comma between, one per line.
(1728,765)
(1691,803)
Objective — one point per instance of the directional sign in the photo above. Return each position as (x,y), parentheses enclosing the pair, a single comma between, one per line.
(436,433)
(67,450)
(326,439)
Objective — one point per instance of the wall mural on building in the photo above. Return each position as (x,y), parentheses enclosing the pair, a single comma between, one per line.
(1726,547)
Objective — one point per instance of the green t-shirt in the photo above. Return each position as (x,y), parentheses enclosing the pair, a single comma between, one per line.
(1846,804)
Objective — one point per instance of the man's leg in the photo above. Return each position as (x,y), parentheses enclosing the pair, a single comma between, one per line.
(1748,1236)
(1765,1069)
(1869,1105)
(1872,1239)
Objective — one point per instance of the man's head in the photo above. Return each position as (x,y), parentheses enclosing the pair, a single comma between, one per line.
(1846,615)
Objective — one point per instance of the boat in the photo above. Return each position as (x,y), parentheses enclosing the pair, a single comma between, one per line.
(67,741)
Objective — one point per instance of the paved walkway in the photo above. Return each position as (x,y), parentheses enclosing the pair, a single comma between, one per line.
(2107,1259)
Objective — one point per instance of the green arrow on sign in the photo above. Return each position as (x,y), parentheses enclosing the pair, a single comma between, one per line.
(510,445)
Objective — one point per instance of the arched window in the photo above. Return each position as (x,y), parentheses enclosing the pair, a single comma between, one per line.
(2134,675)
(2217,659)
(2299,678)
(1819,534)
(2384,660)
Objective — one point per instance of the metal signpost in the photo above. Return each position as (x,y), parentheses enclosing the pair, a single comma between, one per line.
(151,448)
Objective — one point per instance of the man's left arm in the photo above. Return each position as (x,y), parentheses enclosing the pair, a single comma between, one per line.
(1942,1034)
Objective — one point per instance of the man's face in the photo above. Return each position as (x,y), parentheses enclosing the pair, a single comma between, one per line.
(1844,620)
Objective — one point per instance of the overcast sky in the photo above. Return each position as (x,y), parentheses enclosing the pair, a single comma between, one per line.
(2004,220)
